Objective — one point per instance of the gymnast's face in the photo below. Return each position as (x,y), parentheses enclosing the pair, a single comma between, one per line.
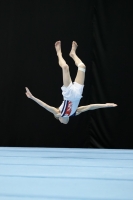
(64,120)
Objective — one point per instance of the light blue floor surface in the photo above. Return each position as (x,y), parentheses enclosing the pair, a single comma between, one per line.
(75,174)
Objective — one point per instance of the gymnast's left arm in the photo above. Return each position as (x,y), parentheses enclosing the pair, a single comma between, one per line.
(49,108)
(93,107)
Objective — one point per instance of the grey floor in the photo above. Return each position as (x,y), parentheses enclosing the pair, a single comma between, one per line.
(82,174)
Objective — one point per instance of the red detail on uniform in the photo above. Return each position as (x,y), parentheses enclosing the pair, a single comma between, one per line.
(68,109)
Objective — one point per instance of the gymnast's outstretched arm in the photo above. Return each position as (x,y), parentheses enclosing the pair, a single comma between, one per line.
(93,107)
(41,103)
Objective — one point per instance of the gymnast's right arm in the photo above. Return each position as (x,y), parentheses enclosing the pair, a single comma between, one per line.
(41,103)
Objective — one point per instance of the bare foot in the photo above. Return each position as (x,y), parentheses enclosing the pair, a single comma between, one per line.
(73,49)
(58,47)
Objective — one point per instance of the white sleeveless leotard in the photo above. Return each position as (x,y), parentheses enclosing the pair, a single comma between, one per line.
(71,95)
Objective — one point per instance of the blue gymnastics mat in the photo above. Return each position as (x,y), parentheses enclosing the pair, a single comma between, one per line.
(58,173)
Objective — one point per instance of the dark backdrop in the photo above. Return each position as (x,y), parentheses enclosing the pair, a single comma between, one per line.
(112,74)
(28,31)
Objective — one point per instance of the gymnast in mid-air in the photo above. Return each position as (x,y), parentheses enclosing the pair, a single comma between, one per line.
(71,91)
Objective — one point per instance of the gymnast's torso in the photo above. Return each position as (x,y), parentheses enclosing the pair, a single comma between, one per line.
(68,108)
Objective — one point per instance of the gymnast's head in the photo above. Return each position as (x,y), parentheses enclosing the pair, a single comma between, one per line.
(63,120)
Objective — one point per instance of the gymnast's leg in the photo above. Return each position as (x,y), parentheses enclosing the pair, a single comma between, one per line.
(65,68)
(81,67)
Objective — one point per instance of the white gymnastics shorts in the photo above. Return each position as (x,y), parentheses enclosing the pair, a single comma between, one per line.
(73,92)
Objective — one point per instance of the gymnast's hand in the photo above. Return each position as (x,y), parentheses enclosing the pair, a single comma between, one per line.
(111,105)
(28,93)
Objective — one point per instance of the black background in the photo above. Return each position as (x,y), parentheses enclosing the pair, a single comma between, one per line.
(103,30)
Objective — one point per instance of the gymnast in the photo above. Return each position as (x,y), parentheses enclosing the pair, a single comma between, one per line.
(72,92)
